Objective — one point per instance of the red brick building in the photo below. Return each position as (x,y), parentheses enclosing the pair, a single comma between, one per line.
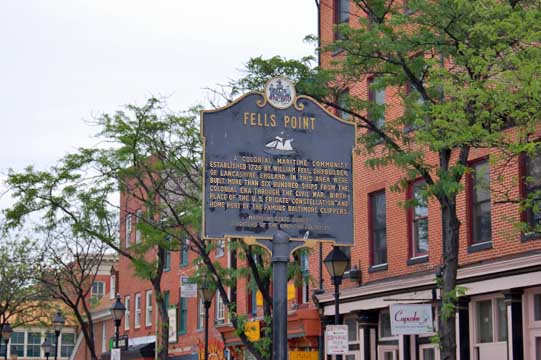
(398,252)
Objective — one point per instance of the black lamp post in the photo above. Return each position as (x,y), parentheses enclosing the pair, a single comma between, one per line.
(336,263)
(6,334)
(117,310)
(206,292)
(58,324)
(46,346)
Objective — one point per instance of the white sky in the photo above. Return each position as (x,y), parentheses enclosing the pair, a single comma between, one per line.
(64,61)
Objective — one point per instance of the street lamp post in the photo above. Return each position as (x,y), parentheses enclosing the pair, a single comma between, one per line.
(206,291)
(58,324)
(6,334)
(117,310)
(336,263)
(46,346)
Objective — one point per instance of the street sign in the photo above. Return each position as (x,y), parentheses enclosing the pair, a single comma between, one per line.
(410,319)
(122,342)
(274,160)
(115,354)
(188,289)
(172,312)
(336,339)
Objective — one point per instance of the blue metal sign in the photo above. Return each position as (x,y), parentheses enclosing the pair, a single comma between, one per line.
(277,161)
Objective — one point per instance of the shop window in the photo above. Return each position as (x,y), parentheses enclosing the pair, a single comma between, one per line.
(33,348)
(127,314)
(17,344)
(418,215)
(137,316)
(428,352)
(480,204)
(388,352)
(490,320)
(385,324)
(537,307)
(352,329)
(378,228)
(127,235)
(67,344)
(532,192)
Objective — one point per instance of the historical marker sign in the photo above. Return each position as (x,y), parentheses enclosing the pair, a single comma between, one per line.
(274,160)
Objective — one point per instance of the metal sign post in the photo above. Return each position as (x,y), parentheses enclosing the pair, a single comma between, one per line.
(277,168)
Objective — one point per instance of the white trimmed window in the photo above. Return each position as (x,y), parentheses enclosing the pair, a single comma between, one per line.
(128,230)
(112,291)
(220,309)
(490,321)
(138,217)
(137,320)
(201,312)
(127,314)
(220,248)
(98,290)
(148,309)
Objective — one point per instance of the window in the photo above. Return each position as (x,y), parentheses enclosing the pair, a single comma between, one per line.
(148,309)
(33,344)
(200,312)
(532,187)
(343,103)
(112,291)
(220,309)
(341,15)
(418,221)
(104,337)
(184,251)
(166,299)
(480,198)
(52,341)
(17,344)
(537,307)
(385,324)
(491,320)
(167,254)
(137,320)
(378,230)
(128,230)
(252,302)
(428,352)
(220,248)
(98,290)
(304,293)
(138,217)
(376,96)
(183,315)
(414,101)
(127,313)
(2,349)
(67,344)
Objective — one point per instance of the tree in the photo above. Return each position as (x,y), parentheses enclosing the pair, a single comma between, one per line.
(70,266)
(153,158)
(21,299)
(465,71)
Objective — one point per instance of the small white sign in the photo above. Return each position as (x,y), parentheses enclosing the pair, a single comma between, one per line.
(280,92)
(187,288)
(115,354)
(410,319)
(336,339)
(172,312)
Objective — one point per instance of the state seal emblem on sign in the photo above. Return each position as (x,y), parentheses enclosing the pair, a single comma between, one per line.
(280,92)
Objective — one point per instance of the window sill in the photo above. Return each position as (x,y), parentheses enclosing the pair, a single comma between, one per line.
(530,236)
(480,247)
(417,260)
(376,268)
(337,52)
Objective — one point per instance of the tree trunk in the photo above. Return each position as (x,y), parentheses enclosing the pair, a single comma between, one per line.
(162,339)
(450,237)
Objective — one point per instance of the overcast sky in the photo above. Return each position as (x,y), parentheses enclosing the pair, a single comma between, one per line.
(64,61)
